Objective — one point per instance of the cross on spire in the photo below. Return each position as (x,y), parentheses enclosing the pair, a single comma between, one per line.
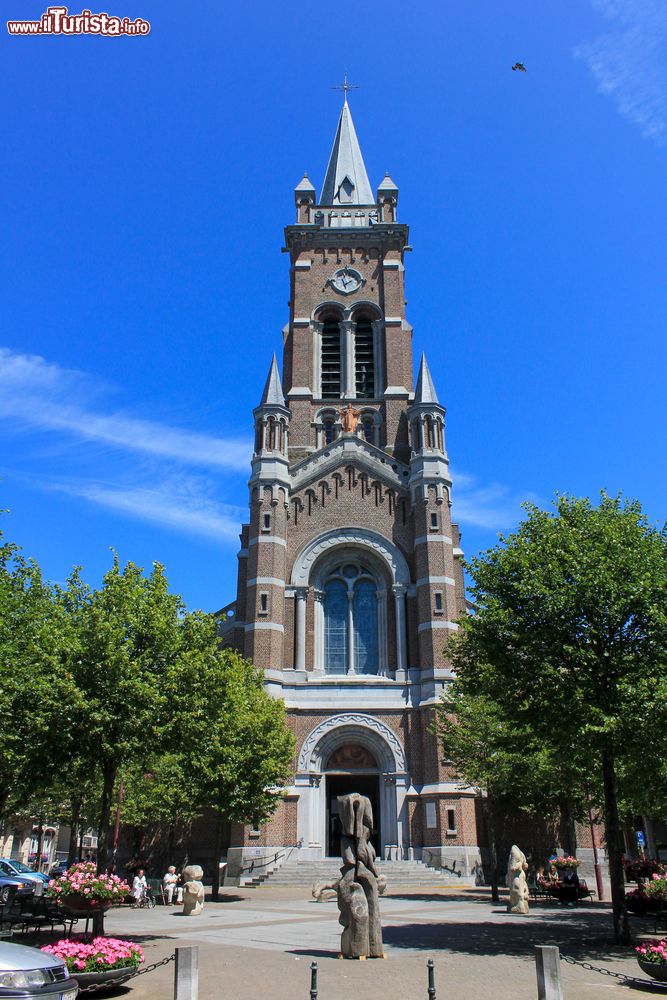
(345,86)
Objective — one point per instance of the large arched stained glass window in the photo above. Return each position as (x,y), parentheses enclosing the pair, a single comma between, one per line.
(351,621)
(365,618)
(335,627)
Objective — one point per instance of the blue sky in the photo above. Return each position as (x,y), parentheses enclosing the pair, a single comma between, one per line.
(146,184)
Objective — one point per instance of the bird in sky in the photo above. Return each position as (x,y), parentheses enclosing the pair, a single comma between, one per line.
(519,66)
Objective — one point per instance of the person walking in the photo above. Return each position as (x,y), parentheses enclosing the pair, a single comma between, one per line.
(139,887)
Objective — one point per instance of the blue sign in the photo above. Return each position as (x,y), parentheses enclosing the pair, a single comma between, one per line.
(639,837)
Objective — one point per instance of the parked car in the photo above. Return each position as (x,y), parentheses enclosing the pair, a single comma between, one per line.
(29,973)
(58,869)
(16,869)
(24,887)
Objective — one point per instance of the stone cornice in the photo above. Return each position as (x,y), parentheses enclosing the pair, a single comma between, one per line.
(389,235)
(349,448)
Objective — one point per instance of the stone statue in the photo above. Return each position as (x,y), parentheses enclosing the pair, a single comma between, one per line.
(517,866)
(349,418)
(193,891)
(358,895)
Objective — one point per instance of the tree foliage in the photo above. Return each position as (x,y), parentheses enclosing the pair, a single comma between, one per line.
(37,695)
(568,643)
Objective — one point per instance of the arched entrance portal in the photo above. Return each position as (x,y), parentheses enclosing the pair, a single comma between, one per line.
(350,768)
(350,752)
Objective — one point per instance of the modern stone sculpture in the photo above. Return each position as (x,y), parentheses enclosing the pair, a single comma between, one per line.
(358,896)
(193,891)
(517,866)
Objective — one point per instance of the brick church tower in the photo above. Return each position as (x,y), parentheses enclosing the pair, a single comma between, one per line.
(350,575)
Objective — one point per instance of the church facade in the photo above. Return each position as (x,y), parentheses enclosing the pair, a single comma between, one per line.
(350,576)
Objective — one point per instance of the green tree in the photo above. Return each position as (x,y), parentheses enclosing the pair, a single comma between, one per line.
(570,631)
(492,750)
(37,693)
(128,635)
(236,748)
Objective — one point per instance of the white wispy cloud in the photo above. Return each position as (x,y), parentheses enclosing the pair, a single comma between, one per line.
(183,503)
(493,506)
(628,62)
(40,395)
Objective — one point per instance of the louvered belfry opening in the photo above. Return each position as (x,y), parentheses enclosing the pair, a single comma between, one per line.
(364,359)
(331,388)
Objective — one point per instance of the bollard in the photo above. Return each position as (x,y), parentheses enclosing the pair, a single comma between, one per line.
(547,964)
(186,974)
(313,981)
(431,980)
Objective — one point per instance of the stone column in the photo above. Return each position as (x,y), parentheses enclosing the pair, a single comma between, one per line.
(378,328)
(348,388)
(300,627)
(383,665)
(350,633)
(318,651)
(401,637)
(315,780)
(317,359)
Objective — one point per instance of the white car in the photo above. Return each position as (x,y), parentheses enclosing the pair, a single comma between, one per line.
(31,974)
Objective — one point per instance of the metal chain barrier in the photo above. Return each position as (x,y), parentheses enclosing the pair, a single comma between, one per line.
(613,975)
(131,974)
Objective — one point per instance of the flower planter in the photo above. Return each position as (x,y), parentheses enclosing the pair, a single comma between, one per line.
(110,977)
(84,904)
(657,970)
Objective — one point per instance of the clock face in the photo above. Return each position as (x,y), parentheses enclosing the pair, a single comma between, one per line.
(346,280)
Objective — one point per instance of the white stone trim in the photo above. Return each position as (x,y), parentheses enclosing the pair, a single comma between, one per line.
(264,626)
(362,538)
(446,788)
(445,539)
(347,721)
(301,321)
(392,320)
(271,581)
(274,539)
(395,264)
(303,265)
(458,552)
(424,580)
(425,626)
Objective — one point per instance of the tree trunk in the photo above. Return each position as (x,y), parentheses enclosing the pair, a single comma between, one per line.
(215,895)
(568,829)
(108,782)
(75,819)
(137,841)
(613,828)
(489,816)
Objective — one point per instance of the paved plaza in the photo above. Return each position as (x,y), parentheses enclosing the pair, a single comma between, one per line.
(260,943)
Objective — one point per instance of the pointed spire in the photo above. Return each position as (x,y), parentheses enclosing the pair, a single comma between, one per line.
(346,181)
(273,390)
(425,391)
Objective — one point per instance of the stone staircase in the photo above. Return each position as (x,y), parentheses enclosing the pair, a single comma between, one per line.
(399,874)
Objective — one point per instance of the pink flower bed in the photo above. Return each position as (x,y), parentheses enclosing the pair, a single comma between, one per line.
(83,880)
(656,952)
(98,955)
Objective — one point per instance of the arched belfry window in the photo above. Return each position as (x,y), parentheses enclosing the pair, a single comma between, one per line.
(331,371)
(364,358)
(352,621)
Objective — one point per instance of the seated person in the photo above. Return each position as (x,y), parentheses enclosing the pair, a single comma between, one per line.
(569,887)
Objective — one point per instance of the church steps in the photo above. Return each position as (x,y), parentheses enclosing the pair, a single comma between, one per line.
(398,874)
